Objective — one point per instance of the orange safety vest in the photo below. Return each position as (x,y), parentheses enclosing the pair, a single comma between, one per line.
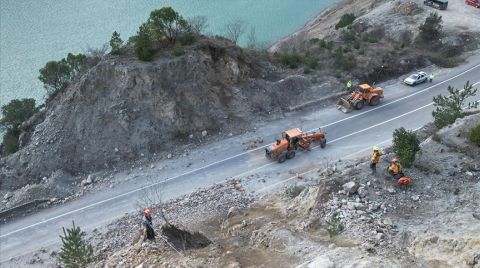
(395,168)
(376,157)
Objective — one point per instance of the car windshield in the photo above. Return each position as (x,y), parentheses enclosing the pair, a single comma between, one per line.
(414,76)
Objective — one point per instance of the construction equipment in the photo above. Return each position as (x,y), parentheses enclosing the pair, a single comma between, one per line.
(359,97)
(292,140)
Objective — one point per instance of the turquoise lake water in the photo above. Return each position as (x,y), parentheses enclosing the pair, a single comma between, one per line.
(34,32)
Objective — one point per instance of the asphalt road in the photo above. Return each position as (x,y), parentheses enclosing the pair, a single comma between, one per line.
(348,135)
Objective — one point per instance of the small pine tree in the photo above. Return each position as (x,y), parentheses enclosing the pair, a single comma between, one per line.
(431,29)
(405,146)
(144,43)
(449,108)
(116,43)
(75,252)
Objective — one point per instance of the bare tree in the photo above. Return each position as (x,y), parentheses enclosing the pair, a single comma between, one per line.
(252,39)
(151,197)
(235,29)
(198,24)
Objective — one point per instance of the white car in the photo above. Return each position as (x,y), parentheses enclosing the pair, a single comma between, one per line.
(416,79)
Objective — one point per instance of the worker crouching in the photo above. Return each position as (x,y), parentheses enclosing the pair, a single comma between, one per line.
(395,169)
(148,232)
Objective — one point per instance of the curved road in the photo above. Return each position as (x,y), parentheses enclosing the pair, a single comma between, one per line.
(347,134)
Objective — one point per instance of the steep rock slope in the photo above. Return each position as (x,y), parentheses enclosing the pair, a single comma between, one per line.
(123,108)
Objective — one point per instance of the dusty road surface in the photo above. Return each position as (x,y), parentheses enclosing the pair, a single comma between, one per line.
(347,135)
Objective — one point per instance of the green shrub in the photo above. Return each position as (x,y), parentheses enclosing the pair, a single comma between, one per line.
(334,227)
(449,108)
(311,63)
(431,29)
(344,61)
(405,146)
(436,137)
(10,141)
(475,135)
(116,43)
(75,251)
(314,41)
(144,43)
(370,38)
(16,112)
(345,20)
(178,49)
(356,45)
(456,191)
(292,60)
(446,62)
(348,36)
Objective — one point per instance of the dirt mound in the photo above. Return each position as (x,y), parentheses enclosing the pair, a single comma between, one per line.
(184,240)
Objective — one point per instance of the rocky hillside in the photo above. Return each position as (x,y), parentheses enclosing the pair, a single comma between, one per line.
(124,108)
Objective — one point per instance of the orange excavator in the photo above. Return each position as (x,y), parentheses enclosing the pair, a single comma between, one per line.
(364,94)
(292,140)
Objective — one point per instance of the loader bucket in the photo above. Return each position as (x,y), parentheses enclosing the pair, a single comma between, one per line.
(344,105)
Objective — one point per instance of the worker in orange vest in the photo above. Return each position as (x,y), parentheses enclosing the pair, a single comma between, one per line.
(375,159)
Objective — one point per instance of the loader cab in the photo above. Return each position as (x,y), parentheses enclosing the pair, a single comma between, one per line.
(364,88)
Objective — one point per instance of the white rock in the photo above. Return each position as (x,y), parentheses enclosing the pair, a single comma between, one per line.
(190,136)
(152,166)
(204,133)
(169,156)
(116,149)
(380,236)
(415,198)
(469,173)
(321,261)
(391,190)
(8,195)
(232,212)
(350,187)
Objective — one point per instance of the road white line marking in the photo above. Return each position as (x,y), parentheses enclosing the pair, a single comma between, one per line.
(231,157)
(313,169)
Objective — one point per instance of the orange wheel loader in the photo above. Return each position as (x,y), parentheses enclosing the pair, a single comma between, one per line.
(292,140)
(364,94)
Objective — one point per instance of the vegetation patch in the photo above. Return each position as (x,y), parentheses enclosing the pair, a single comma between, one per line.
(405,146)
(345,20)
(475,135)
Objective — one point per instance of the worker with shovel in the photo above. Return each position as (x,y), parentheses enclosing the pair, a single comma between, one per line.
(375,159)
(395,169)
(148,232)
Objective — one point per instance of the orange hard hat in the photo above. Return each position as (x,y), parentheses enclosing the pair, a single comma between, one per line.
(395,160)
(148,212)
